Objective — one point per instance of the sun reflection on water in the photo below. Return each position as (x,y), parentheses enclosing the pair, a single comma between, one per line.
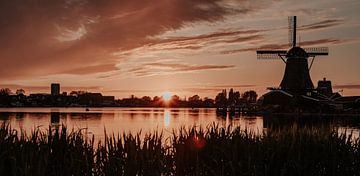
(166,118)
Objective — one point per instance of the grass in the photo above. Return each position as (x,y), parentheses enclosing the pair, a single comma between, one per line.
(196,151)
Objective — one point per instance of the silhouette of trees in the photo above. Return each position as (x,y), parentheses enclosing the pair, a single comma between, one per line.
(176,101)
(220,99)
(208,102)
(195,101)
(5,92)
(250,96)
(81,98)
(235,99)
(20,92)
(5,96)
(231,99)
(175,98)
(78,92)
(194,98)
(146,99)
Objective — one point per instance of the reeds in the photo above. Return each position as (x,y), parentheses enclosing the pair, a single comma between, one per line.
(195,151)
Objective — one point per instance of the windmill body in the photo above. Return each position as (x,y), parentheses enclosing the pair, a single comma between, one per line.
(297,76)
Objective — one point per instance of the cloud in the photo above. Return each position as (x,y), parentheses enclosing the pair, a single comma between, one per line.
(235,85)
(322,24)
(330,41)
(200,41)
(46,89)
(194,90)
(347,86)
(214,89)
(42,37)
(187,67)
(158,68)
(92,69)
(70,35)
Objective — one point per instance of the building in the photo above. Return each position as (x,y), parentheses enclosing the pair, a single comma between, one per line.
(55,89)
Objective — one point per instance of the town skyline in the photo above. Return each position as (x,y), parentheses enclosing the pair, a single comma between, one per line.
(193,47)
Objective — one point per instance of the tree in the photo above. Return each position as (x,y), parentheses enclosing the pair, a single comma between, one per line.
(208,102)
(156,99)
(20,92)
(5,92)
(220,99)
(195,101)
(194,98)
(231,99)
(77,93)
(250,96)
(175,98)
(146,99)
(237,98)
(4,97)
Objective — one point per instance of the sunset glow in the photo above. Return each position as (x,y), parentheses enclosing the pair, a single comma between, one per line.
(122,48)
(167,96)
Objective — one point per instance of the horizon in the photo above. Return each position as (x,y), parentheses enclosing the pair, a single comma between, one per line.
(183,47)
(166,95)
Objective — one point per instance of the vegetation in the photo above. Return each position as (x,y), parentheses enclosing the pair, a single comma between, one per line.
(211,151)
(234,99)
(83,98)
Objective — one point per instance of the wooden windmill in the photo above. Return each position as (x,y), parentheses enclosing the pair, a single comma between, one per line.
(296,77)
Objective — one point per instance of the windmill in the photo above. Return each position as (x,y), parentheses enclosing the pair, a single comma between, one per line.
(296,76)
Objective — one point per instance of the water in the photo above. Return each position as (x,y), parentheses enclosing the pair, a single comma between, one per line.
(119,120)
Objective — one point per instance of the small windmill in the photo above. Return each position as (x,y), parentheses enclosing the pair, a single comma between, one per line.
(296,77)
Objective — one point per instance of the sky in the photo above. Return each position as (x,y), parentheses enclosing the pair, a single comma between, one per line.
(187,47)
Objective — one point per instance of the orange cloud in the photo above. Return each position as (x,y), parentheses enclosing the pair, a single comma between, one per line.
(160,68)
(42,37)
(322,24)
(347,86)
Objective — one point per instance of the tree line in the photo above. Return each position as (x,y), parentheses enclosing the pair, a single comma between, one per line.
(235,99)
(222,99)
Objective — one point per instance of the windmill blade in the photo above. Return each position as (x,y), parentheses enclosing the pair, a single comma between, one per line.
(270,54)
(277,52)
(317,51)
(292,31)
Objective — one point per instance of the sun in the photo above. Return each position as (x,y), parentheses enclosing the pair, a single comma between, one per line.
(167,95)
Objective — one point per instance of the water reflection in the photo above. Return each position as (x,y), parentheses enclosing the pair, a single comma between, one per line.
(19,115)
(166,118)
(85,116)
(119,120)
(4,116)
(55,119)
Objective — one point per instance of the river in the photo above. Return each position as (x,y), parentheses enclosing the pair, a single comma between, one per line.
(146,120)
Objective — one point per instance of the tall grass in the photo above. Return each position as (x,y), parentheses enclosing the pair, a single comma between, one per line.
(196,151)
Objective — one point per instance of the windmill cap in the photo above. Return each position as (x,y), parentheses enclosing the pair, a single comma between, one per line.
(297,52)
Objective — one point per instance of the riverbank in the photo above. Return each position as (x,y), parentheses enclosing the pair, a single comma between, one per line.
(291,150)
